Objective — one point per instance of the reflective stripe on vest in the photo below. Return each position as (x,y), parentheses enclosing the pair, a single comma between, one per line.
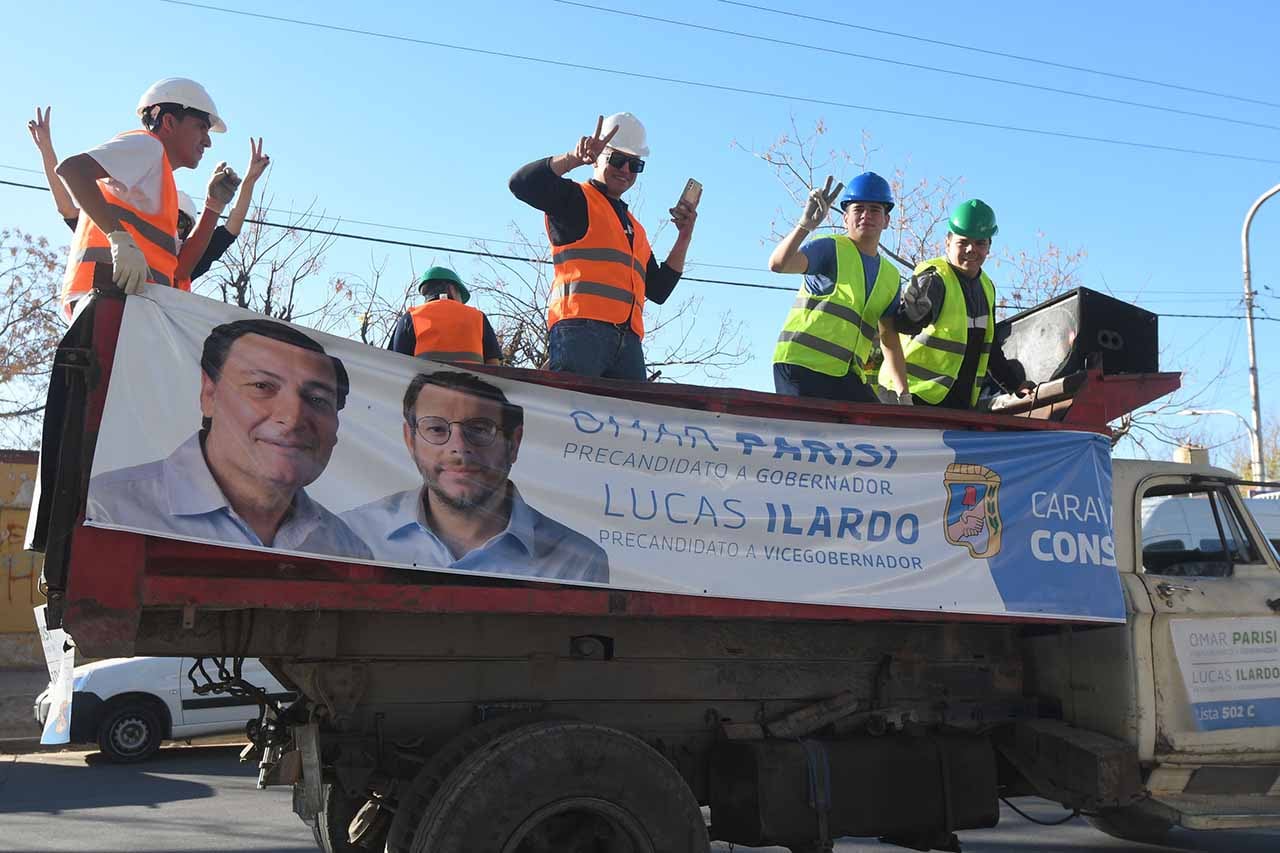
(935,355)
(601,276)
(447,330)
(155,233)
(829,333)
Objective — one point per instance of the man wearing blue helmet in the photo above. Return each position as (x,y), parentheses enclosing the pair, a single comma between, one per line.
(947,318)
(847,301)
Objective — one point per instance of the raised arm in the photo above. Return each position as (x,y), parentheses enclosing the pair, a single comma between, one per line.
(43,138)
(258,163)
(786,257)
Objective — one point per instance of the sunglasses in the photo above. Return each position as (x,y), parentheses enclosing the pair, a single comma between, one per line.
(617,160)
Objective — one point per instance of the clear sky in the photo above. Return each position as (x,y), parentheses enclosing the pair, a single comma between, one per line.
(423,136)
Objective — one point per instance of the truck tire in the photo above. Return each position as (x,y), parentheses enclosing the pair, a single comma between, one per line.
(332,824)
(1130,824)
(412,803)
(130,731)
(565,786)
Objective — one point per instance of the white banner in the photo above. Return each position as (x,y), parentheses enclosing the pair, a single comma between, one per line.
(1231,668)
(223,426)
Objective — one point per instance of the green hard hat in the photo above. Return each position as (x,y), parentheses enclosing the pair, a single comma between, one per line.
(975,219)
(444,274)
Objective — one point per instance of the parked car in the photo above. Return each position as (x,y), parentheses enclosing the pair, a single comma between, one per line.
(128,706)
(1184,522)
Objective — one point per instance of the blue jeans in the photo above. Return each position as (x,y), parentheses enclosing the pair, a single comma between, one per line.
(595,348)
(796,381)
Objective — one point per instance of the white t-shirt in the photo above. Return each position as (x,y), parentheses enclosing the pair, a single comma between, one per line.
(135,163)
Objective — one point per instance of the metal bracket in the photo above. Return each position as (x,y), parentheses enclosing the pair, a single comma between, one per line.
(307,739)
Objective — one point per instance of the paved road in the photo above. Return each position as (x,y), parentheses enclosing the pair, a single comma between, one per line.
(199,800)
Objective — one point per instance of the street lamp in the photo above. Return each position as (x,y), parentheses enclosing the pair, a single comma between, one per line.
(1255,445)
(1259,472)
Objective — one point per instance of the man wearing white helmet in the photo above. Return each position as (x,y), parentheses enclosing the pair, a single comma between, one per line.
(604,266)
(127,230)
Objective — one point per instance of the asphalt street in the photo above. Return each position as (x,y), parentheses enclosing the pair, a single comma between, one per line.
(199,798)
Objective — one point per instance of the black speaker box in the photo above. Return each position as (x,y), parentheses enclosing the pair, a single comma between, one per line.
(1056,338)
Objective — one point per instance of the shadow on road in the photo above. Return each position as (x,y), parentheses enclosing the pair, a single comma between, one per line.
(56,784)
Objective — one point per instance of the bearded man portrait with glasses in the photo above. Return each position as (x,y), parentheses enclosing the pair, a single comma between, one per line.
(464,435)
(604,266)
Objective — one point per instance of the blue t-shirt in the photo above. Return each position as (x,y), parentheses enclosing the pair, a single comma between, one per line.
(820,279)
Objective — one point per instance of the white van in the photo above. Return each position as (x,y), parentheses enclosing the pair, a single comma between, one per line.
(129,705)
(1187,522)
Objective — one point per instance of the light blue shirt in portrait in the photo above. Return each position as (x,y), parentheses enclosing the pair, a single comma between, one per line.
(178,496)
(532,545)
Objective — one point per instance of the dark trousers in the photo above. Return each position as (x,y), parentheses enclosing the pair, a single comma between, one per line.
(796,381)
(595,348)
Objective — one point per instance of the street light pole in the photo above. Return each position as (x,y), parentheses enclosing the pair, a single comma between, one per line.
(1259,470)
(1255,461)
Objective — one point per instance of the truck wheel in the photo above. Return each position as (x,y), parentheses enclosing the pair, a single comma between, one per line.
(567,787)
(412,803)
(130,732)
(1131,825)
(332,825)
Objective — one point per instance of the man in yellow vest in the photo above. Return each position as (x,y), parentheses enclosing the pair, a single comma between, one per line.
(445,328)
(847,300)
(604,266)
(126,234)
(947,319)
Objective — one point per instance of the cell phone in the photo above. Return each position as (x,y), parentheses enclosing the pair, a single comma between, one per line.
(692,195)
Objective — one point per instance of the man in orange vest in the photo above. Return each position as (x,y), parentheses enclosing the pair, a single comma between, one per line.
(445,328)
(604,266)
(127,231)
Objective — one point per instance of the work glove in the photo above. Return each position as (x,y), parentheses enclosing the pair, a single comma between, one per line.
(915,299)
(222,187)
(128,265)
(904,399)
(818,205)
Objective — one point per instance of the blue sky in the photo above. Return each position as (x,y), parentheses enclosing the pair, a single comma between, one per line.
(425,137)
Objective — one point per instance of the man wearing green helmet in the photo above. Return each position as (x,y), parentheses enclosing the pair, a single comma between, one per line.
(445,328)
(947,319)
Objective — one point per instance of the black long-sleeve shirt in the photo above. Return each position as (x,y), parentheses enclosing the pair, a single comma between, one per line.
(912,317)
(561,199)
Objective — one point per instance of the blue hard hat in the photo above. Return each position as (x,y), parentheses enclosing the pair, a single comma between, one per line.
(868,187)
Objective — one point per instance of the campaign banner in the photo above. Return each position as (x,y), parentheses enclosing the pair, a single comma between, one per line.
(227,427)
(1231,669)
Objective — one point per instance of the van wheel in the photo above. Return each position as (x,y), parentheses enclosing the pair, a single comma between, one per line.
(567,787)
(130,732)
(1131,825)
(416,796)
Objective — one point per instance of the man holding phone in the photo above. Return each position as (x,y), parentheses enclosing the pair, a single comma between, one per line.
(604,266)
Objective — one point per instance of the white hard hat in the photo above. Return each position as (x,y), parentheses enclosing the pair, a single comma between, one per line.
(185,93)
(186,205)
(630,138)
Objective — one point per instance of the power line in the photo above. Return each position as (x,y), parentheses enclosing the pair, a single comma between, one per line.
(920,67)
(989,52)
(740,90)
(546,262)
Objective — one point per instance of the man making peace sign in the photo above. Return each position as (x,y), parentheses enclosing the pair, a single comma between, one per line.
(604,266)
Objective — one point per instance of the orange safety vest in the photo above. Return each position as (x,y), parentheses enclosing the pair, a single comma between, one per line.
(447,330)
(601,276)
(156,234)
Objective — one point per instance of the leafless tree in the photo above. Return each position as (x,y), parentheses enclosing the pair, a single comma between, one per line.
(30,327)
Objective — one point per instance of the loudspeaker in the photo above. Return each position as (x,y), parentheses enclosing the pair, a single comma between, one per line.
(1055,338)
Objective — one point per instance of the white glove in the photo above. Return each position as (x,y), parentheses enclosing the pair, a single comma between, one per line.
(818,205)
(904,399)
(129,268)
(222,187)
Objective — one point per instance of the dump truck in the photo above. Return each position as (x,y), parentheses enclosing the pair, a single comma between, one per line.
(957,609)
